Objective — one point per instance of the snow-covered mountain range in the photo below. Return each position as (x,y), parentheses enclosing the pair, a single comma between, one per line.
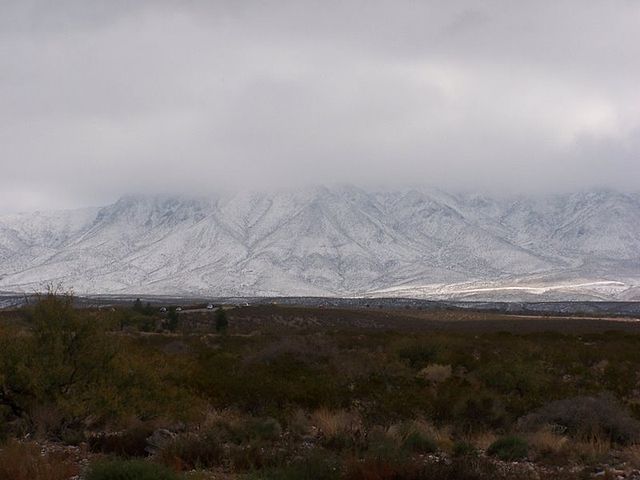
(341,241)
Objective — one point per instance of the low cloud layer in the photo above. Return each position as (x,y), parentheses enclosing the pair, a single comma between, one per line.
(99,98)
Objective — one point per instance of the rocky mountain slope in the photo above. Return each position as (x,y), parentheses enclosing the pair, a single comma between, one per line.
(335,241)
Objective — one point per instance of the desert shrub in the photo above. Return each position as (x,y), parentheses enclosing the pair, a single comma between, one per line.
(391,395)
(317,465)
(129,470)
(265,388)
(418,355)
(245,430)
(549,445)
(25,461)
(221,320)
(189,451)
(63,373)
(479,468)
(458,469)
(173,319)
(377,468)
(509,448)
(464,449)
(591,451)
(435,373)
(298,423)
(523,385)
(631,455)
(4,429)
(263,429)
(130,443)
(396,443)
(419,441)
(469,410)
(307,349)
(66,357)
(339,429)
(586,417)
(257,455)
(468,468)
(46,419)
(384,446)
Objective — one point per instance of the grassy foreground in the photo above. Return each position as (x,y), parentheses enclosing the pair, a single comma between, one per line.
(129,393)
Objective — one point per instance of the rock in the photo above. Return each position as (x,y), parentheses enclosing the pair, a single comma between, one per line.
(158,439)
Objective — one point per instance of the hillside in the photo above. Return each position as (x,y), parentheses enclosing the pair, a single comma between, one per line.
(335,241)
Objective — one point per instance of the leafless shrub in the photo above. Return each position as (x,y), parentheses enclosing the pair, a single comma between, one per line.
(586,417)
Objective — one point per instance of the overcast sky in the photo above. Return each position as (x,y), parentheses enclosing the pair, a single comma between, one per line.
(102,98)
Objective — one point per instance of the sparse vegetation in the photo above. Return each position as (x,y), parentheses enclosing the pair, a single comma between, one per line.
(221,320)
(129,470)
(586,417)
(172,319)
(509,448)
(26,461)
(300,400)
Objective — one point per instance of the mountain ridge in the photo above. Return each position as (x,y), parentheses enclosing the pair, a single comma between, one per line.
(334,241)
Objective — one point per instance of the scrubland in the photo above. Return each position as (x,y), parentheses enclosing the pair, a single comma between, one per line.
(281,393)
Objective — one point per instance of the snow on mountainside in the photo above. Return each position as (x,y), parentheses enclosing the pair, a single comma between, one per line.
(334,241)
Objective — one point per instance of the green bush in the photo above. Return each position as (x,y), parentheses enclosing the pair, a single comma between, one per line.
(419,442)
(129,470)
(221,320)
(464,449)
(173,319)
(477,411)
(509,448)
(418,355)
(264,429)
(383,447)
(61,363)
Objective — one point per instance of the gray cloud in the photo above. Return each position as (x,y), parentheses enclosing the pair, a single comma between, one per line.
(106,97)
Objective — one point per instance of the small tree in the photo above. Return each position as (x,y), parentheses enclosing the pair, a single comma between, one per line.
(65,357)
(148,309)
(172,319)
(221,320)
(137,305)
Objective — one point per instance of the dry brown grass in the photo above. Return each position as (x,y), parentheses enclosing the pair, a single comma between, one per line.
(546,442)
(436,373)
(25,461)
(482,440)
(441,436)
(333,424)
(631,455)
(555,448)
(591,450)
(212,418)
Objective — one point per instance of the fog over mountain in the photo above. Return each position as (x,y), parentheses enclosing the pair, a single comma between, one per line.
(526,113)
(99,99)
(334,241)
